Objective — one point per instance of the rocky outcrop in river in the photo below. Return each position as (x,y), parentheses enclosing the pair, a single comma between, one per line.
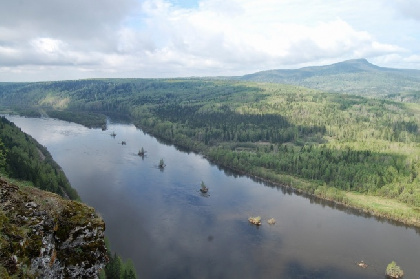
(43,235)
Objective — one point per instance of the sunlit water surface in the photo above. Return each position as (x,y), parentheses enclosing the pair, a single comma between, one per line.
(169,229)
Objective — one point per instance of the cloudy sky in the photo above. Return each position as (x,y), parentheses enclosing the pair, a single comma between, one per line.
(63,39)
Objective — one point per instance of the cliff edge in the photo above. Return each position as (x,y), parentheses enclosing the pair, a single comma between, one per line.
(43,235)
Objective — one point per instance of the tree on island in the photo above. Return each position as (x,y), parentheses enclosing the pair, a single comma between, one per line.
(141,152)
(161,164)
(203,188)
(394,271)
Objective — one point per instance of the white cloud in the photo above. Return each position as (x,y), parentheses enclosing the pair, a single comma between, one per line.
(48,45)
(8,51)
(246,36)
(158,38)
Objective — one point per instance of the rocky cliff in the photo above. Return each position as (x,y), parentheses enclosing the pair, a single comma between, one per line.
(43,235)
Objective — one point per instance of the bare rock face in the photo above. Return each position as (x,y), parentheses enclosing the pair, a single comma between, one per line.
(44,236)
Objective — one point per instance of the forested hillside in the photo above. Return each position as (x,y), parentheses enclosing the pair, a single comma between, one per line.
(325,144)
(25,159)
(356,76)
(40,235)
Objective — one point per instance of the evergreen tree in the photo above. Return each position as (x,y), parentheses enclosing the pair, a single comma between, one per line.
(113,268)
(129,270)
(2,156)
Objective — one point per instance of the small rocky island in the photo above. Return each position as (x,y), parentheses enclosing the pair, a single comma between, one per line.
(141,152)
(204,189)
(43,235)
(255,220)
(362,264)
(394,271)
(162,164)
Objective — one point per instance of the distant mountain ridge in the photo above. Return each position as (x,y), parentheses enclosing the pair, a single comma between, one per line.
(356,76)
(348,66)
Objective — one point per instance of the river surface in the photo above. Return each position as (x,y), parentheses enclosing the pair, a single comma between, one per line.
(161,221)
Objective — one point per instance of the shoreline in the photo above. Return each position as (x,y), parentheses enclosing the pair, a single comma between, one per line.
(350,206)
(381,208)
(373,206)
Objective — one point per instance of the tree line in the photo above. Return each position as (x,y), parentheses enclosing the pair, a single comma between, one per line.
(24,158)
(338,141)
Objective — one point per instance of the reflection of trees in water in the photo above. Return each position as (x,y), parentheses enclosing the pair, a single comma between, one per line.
(287,190)
(295,269)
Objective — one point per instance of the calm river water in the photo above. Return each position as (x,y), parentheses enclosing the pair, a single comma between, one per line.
(169,229)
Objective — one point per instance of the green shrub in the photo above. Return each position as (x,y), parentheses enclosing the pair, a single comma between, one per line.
(394,271)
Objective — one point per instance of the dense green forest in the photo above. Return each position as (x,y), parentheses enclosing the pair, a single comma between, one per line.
(322,143)
(23,158)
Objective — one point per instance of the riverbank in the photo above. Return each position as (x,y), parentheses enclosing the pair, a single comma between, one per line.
(374,205)
(30,159)
(377,206)
(123,184)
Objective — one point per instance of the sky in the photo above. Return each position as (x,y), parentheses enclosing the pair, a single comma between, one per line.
(46,40)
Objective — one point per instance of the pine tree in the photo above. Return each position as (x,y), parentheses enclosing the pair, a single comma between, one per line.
(2,156)
(113,268)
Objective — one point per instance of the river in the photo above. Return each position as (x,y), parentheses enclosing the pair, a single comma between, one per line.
(169,229)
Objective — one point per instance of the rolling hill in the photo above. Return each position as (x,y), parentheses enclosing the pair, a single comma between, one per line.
(356,76)
(325,144)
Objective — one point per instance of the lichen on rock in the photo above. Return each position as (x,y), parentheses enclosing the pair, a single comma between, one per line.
(43,235)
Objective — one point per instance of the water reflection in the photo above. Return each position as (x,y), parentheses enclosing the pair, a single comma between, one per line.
(167,227)
(287,190)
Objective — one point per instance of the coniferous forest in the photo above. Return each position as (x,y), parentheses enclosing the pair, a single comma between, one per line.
(25,159)
(331,145)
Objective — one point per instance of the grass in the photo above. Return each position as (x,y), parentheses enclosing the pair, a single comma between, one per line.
(384,207)
(17,182)
(377,206)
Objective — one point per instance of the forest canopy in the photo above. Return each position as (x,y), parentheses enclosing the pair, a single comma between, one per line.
(301,137)
(21,157)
